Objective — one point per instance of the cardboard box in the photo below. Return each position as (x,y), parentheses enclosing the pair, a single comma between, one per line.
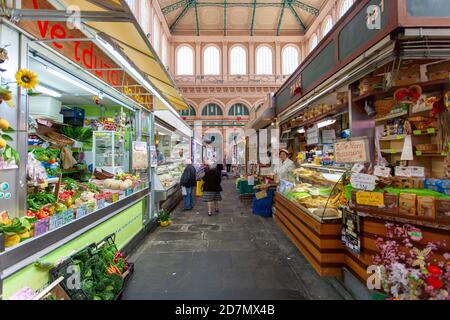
(443,210)
(426,207)
(407,204)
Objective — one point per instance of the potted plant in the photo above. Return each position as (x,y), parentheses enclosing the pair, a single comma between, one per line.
(164,218)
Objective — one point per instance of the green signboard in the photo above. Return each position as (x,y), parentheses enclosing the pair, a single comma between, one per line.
(125,225)
(428,8)
(361,30)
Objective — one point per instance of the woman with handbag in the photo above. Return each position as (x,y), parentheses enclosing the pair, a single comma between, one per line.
(212,188)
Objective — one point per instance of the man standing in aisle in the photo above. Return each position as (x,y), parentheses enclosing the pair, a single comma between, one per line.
(188,182)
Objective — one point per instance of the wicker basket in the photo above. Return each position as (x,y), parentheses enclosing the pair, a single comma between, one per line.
(426,147)
(384,107)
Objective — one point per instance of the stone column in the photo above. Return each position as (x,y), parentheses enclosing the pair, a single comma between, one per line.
(198,58)
(251,58)
(224,60)
(277,58)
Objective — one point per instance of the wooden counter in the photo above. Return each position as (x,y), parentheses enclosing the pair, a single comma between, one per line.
(319,242)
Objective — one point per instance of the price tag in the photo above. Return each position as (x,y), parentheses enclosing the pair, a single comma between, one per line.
(251,180)
(418,153)
(431,130)
(91,206)
(81,211)
(42,226)
(56,221)
(393,151)
(128,192)
(417,132)
(403,172)
(374,199)
(100,204)
(68,216)
(357,168)
(115,197)
(362,181)
(418,172)
(381,171)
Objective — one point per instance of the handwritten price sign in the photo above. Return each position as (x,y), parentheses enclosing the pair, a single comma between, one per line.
(351,151)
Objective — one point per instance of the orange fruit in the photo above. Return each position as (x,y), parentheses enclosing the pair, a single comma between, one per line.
(2,143)
(4,124)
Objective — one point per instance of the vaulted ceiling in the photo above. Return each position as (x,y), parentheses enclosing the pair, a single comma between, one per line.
(240,17)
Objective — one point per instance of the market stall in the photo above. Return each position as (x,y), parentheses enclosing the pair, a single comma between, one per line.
(369,135)
(173,144)
(76,131)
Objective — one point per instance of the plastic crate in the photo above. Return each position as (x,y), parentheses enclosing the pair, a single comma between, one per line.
(263,207)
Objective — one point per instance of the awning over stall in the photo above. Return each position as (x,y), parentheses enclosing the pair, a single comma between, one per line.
(175,122)
(114,21)
(264,120)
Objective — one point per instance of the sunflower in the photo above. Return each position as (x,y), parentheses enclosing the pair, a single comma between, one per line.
(26,79)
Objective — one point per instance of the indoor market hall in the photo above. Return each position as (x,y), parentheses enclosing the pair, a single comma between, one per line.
(283,153)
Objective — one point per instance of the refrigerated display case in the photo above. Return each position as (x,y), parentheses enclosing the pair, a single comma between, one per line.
(109,151)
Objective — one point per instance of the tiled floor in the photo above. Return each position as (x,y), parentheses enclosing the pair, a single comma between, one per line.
(231,255)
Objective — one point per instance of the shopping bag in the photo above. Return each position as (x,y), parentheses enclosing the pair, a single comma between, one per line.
(183,191)
(199,189)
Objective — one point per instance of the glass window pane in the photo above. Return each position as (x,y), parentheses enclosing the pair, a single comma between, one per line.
(211,61)
(345,6)
(185,61)
(313,42)
(290,60)
(264,60)
(327,26)
(238,61)
(156,35)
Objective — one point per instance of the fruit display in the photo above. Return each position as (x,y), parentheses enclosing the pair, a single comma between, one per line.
(9,157)
(15,230)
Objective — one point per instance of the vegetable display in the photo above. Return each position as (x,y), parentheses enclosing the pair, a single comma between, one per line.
(81,134)
(37,201)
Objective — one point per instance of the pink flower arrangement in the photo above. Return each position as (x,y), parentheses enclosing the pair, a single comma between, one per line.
(412,274)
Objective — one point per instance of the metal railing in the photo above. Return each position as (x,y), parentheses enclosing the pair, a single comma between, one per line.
(231,79)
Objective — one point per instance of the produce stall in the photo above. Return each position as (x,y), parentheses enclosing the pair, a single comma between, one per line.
(371,144)
(74,151)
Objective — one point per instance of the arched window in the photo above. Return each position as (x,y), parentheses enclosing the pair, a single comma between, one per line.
(238,61)
(327,26)
(212,109)
(238,109)
(313,41)
(345,6)
(164,51)
(145,16)
(290,59)
(185,61)
(189,112)
(264,60)
(211,61)
(156,35)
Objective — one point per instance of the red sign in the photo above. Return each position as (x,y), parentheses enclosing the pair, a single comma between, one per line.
(84,53)
(296,87)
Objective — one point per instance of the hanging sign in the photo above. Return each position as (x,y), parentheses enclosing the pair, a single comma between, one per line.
(328,136)
(351,230)
(363,181)
(357,168)
(296,87)
(352,151)
(312,135)
(418,172)
(140,155)
(153,157)
(373,199)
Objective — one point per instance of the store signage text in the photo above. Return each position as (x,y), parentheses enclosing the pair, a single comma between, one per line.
(363,181)
(374,199)
(84,53)
(296,87)
(351,151)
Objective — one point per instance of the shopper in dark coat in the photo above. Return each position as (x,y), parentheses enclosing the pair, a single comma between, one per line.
(212,188)
(189,181)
